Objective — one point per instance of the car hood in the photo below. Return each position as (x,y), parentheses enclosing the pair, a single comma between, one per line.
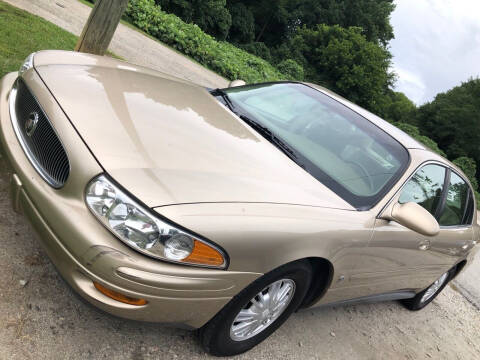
(168,141)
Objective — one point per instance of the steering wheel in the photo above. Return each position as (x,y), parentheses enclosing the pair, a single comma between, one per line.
(371,185)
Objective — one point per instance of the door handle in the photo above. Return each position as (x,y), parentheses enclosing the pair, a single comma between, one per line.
(424,245)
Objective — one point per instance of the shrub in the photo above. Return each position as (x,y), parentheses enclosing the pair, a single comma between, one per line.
(344,61)
(211,15)
(221,57)
(292,69)
(397,107)
(258,49)
(469,167)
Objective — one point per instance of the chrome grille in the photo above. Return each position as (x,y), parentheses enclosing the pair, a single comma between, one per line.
(37,136)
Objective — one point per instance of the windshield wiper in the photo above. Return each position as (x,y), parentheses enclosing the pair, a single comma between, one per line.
(225,97)
(263,130)
(270,136)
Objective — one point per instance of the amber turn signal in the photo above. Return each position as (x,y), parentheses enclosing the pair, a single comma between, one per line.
(204,255)
(119,297)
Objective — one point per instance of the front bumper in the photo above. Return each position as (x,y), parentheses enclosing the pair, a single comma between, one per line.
(84,251)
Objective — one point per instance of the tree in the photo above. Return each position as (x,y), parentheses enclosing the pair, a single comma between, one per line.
(211,16)
(272,19)
(259,49)
(292,69)
(468,166)
(397,107)
(373,16)
(344,61)
(414,132)
(277,21)
(452,119)
(243,24)
(100,27)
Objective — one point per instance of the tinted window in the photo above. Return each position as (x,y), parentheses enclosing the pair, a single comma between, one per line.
(425,188)
(346,152)
(456,207)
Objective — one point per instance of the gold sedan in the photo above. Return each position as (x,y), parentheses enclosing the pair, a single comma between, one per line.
(227,209)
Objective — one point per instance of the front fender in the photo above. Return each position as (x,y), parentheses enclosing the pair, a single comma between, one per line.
(260,237)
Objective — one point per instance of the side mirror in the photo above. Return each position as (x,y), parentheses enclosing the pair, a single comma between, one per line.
(236,83)
(413,216)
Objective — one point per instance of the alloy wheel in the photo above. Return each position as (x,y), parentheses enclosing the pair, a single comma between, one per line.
(262,310)
(433,289)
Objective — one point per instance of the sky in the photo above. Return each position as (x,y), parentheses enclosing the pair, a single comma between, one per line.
(436,45)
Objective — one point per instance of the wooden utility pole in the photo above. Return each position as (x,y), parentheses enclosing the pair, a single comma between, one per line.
(100,27)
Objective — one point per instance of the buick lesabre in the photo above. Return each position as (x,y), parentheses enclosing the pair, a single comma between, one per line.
(225,210)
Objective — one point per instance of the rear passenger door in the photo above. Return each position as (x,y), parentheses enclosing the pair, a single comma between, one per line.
(454,215)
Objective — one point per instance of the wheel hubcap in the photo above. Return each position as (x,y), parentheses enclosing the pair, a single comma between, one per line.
(261,311)
(433,289)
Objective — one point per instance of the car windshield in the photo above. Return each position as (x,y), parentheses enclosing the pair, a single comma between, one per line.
(346,152)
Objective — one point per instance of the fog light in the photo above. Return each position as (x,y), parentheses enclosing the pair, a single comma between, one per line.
(119,297)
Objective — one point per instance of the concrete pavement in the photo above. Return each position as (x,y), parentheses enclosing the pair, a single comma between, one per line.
(468,282)
(130,44)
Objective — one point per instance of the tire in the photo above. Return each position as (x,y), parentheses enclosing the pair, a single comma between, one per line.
(422,299)
(217,336)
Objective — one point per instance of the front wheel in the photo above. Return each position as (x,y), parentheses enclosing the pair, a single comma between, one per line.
(257,311)
(424,298)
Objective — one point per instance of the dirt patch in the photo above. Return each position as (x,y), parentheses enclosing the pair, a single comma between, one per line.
(33,260)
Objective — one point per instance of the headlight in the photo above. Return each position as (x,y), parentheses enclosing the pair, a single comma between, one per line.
(27,64)
(139,228)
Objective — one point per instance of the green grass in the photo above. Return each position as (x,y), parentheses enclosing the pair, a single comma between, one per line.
(22,33)
(88,3)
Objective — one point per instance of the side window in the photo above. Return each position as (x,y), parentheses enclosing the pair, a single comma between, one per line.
(425,187)
(458,203)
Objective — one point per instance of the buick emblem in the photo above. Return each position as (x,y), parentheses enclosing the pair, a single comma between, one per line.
(31,123)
